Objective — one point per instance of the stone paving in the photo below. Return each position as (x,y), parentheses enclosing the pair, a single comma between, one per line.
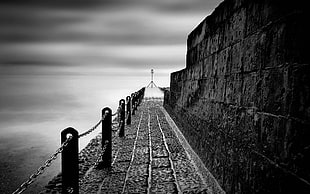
(149,159)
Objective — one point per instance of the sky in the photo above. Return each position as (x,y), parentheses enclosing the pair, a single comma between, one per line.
(54,52)
(62,61)
(93,37)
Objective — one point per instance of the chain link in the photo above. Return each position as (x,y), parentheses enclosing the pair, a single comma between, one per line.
(53,157)
(102,152)
(93,128)
(117,111)
(41,169)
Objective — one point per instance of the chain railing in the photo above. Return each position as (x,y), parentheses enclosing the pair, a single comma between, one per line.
(91,129)
(41,169)
(69,145)
(99,159)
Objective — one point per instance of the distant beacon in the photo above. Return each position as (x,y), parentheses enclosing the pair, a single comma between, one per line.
(152,84)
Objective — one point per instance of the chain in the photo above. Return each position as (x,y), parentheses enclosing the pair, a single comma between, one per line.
(41,169)
(117,111)
(93,128)
(53,157)
(121,123)
(102,152)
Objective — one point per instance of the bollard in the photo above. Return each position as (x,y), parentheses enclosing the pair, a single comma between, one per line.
(70,162)
(128,111)
(106,136)
(137,100)
(122,119)
(133,103)
(136,105)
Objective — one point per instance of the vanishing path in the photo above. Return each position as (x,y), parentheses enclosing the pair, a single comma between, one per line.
(149,159)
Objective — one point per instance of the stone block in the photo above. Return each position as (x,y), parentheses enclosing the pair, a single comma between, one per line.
(253,55)
(161,163)
(161,175)
(235,63)
(233,29)
(275,45)
(222,67)
(208,66)
(299,104)
(233,89)
(276,91)
(252,89)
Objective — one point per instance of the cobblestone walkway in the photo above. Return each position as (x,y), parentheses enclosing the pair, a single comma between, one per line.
(149,159)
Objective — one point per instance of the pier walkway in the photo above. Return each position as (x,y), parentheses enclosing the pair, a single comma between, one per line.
(149,159)
(152,157)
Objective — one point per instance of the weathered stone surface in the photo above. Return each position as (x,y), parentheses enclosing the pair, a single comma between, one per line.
(242,101)
(161,162)
(166,187)
(152,162)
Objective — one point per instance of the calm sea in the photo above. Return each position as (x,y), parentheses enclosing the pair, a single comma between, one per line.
(35,109)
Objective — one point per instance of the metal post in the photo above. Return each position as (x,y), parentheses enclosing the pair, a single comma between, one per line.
(106,136)
(133,103)
(70,162)
(136,101)
(128,111)
(122,120)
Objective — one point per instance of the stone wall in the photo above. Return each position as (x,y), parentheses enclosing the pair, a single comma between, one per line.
(243,100)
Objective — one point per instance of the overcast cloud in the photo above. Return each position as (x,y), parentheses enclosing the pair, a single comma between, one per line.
(100,33)
(107,38)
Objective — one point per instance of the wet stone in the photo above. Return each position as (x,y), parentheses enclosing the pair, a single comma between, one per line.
(160,162)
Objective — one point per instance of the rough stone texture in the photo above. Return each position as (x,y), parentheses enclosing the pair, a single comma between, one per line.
(149,159)
(243,100)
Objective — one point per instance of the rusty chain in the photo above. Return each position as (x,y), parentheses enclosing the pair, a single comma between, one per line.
(41,169)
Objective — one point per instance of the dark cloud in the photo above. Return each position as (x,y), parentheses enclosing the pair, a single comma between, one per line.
(39,20)
(96,34)
(64,4)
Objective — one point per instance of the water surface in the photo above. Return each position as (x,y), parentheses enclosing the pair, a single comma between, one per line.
(34,109)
